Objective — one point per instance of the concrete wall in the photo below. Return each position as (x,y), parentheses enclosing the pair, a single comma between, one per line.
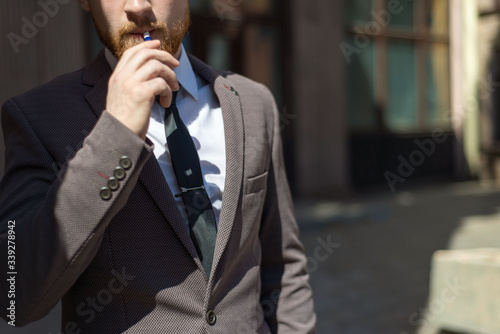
(470,98)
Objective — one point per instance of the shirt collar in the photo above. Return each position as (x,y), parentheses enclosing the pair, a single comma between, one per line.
(184,72)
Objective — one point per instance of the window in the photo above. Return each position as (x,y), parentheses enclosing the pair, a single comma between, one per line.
(243,36)
(250,37)
(398,76)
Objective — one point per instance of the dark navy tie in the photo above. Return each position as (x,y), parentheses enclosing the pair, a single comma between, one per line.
(186,163)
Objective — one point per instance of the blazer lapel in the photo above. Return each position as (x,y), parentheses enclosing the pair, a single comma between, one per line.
(97,75)
(234,137)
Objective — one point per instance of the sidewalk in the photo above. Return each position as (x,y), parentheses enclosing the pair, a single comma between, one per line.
(376,279)
(369,259)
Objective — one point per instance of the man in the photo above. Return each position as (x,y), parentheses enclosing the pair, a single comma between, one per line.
(92,196)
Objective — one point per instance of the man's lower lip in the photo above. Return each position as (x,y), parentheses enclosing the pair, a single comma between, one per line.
(136,35)
(141,34)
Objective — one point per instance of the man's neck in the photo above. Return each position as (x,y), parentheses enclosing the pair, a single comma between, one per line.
(177,55)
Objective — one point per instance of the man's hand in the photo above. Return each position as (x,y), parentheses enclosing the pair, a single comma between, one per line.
(142,73)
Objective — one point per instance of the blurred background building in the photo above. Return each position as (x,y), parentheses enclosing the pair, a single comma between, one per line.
(357,81)
(375,96)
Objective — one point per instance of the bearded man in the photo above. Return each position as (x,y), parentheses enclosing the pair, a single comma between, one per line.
(147,192)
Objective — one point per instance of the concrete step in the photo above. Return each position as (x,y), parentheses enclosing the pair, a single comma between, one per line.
(464,292)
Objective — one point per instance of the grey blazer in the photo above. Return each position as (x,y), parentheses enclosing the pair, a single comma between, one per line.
(126,264)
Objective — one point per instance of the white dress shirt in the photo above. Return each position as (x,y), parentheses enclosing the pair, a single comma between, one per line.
(200,111)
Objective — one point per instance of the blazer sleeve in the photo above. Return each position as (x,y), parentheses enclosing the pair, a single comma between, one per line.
(286,295)
(52,218)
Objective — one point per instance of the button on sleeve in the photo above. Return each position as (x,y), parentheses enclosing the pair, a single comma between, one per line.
(119,173)
(105,193)
(125,162)
(113,184)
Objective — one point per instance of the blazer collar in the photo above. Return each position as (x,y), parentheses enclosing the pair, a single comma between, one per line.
(97,75)
(96,70)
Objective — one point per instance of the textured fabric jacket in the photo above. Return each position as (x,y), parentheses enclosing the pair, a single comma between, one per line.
(127,264)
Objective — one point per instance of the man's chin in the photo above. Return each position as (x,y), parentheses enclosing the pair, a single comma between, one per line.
(119,47)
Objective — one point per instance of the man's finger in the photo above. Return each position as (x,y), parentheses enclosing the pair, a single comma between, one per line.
(140,56)
(130,53)
(154,69)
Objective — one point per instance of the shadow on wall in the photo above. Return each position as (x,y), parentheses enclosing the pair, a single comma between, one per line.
(489,93)
(494,89)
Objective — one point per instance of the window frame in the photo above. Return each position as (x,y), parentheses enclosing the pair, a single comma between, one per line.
(424,39)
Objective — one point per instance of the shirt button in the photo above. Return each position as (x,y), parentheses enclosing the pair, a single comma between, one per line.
(105,193)
(119,173)
(113,184)
(211,317)
(125,162)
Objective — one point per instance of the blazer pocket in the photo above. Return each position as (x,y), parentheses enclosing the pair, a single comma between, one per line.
(256,183)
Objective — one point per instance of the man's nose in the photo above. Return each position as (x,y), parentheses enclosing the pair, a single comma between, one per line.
(138,8)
